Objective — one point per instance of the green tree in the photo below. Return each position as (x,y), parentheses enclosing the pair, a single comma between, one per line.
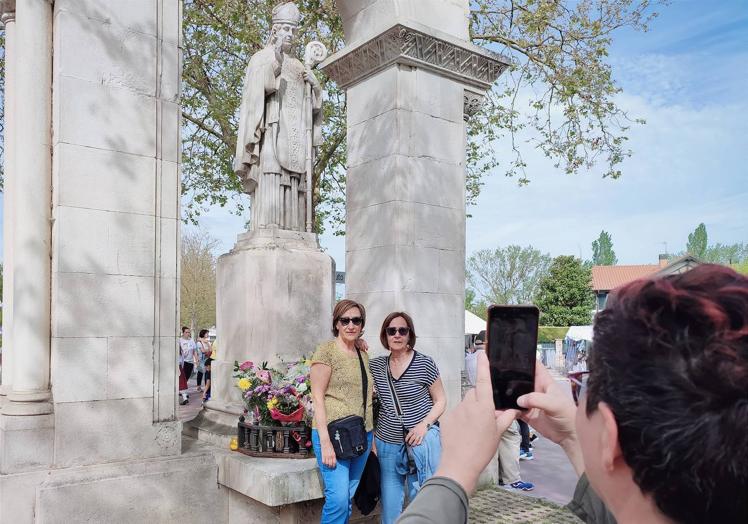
(602,250)
(559,60)
(565,296)
(507,275)
(474,305)
(697,242)
(198,282)
(726,254)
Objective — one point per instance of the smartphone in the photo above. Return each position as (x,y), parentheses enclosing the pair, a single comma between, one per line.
(512,340)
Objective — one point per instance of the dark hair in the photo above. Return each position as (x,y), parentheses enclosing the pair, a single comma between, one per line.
(481,336)
(670,359)
(202,333)
(392,316)
(340,309)
(184,328)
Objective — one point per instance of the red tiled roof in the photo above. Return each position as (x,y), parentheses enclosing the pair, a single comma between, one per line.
(605,278)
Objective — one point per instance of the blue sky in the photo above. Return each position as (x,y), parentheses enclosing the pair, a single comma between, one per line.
(688,78)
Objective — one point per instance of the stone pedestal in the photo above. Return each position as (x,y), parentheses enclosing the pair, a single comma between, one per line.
(275,294)
(411,78)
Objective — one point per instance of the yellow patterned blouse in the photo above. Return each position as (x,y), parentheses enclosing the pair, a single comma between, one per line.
(344,396)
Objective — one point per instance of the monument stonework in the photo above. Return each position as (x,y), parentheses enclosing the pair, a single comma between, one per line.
(88,428)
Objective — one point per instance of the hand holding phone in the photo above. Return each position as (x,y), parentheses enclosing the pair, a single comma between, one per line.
(511,346)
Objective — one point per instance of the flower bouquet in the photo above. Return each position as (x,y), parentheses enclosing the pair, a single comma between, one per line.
(278,408)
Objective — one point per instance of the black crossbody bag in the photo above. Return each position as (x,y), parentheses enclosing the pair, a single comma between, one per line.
(348,434)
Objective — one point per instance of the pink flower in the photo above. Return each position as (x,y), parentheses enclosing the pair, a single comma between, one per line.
(264,376)
(246,365)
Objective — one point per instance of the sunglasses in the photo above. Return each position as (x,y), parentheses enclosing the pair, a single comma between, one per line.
(344,321)
(402,331)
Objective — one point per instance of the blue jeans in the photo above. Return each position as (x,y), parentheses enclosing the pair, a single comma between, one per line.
(340,482)
(393,483)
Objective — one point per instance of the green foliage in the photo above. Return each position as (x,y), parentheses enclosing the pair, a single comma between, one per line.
(558,48)
(697,242)
(602,250)
(509,275)
(741,267)
(548,334)
(565,296)
(726,254)
(474,305)
(559,51)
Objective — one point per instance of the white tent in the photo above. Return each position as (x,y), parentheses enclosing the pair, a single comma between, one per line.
(579,333)
(473,324)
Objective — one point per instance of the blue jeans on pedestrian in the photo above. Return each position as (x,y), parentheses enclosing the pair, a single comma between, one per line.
(393,483)
(340,482)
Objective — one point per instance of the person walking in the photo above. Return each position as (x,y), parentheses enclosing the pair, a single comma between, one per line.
(187,360)
(412,399)
(203,350)
(341,388)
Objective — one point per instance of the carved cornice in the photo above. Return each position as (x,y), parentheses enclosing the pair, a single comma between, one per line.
(7,11)
(400,44)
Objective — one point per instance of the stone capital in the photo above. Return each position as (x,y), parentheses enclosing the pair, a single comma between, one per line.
(7,11)
(418,46)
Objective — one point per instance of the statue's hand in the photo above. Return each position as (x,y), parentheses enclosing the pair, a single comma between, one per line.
(278,48)
(310,77)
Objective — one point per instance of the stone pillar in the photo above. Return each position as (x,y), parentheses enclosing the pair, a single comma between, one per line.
(31,223)
(408,71)
(8,19)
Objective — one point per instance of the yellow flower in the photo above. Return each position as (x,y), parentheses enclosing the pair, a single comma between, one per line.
(244,384)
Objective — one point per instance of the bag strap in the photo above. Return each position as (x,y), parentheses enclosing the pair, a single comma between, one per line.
(394,394)
(364,379)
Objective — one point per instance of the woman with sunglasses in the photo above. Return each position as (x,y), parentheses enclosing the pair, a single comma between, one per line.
(337,392)
(412,399)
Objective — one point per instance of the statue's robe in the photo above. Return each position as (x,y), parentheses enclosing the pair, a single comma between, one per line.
(271,142)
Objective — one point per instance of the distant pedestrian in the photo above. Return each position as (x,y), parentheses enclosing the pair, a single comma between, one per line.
(187,360)
(479,346)
(525,447)
(203,349)
(509,474)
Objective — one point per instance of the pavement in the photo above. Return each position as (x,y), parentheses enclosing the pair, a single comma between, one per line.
(193,407)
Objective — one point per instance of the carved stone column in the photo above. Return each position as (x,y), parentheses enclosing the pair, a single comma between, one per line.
(410,77)
(8,19)
(32,188)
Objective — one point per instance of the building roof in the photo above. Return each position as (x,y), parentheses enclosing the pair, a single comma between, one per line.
(605,278)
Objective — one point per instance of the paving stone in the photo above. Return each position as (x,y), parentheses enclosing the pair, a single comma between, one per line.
(496,505)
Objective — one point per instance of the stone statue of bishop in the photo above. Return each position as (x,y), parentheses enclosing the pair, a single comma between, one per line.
(271,147)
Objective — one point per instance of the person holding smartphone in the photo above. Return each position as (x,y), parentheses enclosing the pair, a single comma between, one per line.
(337,392)
(412,399)
(658,435)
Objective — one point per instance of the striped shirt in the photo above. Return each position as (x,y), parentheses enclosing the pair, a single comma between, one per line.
(412,391)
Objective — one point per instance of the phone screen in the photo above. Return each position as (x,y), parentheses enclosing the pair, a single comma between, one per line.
(511,346)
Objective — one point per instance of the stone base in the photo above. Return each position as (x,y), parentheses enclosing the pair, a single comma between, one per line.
(26,442)
(173,489)
(275,293)
(215,424)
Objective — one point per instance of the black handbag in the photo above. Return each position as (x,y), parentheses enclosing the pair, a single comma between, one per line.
(369,489)
(348,434)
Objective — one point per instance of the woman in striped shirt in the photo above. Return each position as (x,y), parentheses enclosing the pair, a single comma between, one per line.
(419,392)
